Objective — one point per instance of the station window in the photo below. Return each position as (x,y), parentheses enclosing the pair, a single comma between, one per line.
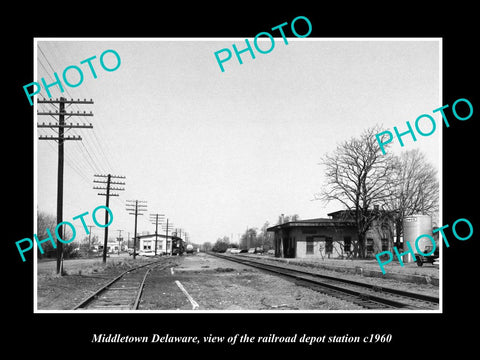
(347,243)
(309,245)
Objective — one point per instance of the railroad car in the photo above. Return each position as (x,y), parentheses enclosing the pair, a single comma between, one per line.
(428,259)
(178,246)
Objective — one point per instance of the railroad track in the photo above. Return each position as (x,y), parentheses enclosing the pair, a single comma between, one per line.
(123,292)
(366,295)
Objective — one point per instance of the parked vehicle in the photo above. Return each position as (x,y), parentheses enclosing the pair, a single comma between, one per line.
(432,259)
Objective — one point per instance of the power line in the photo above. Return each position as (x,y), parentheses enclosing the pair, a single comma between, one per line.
(96,142)
(107,194)
(137,207)
(97,164)
(154,218)
(60,138)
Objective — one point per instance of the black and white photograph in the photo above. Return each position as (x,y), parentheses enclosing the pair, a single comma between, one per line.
(231,181)
(262,187)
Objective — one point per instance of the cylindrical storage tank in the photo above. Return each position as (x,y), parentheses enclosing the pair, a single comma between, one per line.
(413,227)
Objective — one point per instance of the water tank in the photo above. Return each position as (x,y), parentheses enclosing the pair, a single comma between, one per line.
(413,227)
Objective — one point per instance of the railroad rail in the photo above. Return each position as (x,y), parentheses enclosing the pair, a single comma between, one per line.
(121,293)
(366,295)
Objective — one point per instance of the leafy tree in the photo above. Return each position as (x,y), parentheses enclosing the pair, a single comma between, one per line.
(221,245)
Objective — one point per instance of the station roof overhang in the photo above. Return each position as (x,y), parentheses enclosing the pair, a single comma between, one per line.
(313,223)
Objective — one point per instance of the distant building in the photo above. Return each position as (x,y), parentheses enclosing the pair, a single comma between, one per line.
(164,244)
(147,243)
(113,246)
(328,238)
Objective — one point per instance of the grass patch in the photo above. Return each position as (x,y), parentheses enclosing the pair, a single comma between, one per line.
(88,266)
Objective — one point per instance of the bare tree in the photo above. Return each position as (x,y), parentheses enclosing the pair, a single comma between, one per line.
(266,241)
(248,239)
(416,189)
(286,218)
(45,221)
(358,176)
(207,246)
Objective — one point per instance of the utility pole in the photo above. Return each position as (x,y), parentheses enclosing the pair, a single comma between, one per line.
(107,194)
(89,234)
(119,238)
(154,219)
(61,125)
(137,207)
(166,238)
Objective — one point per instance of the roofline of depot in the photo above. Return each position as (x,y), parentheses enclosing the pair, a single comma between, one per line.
(313,223)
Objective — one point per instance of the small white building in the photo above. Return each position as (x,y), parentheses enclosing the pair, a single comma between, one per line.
(147,243)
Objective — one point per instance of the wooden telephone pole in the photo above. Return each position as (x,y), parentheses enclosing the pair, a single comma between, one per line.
(107,194)
(61,138)
(136,206)
(154,218)
(166,238)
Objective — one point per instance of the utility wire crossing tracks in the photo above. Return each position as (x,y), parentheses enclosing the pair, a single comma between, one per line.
(363,294)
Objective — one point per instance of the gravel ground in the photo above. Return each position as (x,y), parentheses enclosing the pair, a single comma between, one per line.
(217,284)
(427,289)
(213,283)
(392,268)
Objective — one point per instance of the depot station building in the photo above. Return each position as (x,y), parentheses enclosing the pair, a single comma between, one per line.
(329,238)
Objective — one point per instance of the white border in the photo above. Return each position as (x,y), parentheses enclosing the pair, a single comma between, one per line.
(35,189)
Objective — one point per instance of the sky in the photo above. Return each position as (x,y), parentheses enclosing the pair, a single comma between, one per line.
(217,152)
